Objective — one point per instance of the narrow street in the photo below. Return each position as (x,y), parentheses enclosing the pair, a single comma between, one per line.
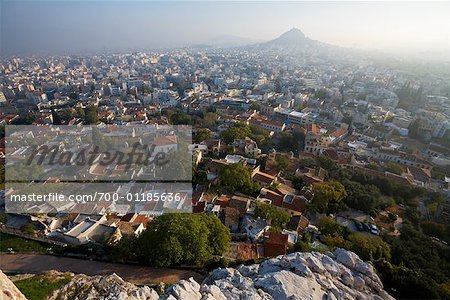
(139,275)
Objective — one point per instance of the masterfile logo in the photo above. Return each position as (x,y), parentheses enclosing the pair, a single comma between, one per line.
(94,169)
(98,153)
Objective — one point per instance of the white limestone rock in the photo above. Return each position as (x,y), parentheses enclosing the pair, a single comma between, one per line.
(212,292)
(248,271)
(315,264)
(331,266)
(347,258)
(338,275)
(300,268)
(269,266)
(102,287)
(285,285)
(186,289)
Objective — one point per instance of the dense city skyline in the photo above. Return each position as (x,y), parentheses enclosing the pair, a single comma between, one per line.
(76,27)
(224,150)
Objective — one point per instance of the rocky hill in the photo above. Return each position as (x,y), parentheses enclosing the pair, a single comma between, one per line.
(292,37)
(291,40)
(338,275)
(102,287)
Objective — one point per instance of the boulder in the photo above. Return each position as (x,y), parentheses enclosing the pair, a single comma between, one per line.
(269,266)
(221,273)
(285,285)
(9,290)
(358,283)
(315,264)
(212,292)
(347,258)
(248,271)
(331,266)
(300,268)
(185,289)
(364,268)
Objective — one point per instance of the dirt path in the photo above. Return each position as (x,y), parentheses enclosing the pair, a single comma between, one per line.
(140,275)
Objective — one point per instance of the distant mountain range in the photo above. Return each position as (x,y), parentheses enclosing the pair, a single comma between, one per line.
(293,39)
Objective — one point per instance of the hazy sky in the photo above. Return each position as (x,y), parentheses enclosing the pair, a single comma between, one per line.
(77,26)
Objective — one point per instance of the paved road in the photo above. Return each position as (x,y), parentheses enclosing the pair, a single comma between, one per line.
(140,275)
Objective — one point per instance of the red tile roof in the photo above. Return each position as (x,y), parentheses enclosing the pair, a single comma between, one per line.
(339,132)
(313,128)
(165,140)
(263,177)
(275,244)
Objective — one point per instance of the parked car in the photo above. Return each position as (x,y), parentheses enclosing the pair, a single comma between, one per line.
(374,229)
(366,227)
(359,226)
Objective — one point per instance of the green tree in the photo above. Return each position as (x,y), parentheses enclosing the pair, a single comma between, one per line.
(124,250)
(327,194)
(329,226)
(369,247)
(3,217)
(236,177)
(219,236)
(180,118)
(146,89)
(322,94)
(281,163)
(199,177)
(202,134)
(298,182)
(238,131)
(326,163)
(286,142)
(302,246)
(254,106)
(433,229)
(28,229)
(209,120)
(258,134)
(174,238)
(90,115)
(394,168)
(275,216)
(372,165)
(278,85)
(79,113)
(361,197)
(56,118)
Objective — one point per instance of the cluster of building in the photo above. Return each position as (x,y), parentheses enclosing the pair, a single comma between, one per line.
(347,110)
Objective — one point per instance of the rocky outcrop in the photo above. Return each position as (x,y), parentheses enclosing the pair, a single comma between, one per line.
(102,288)
(8,290)
(335,275)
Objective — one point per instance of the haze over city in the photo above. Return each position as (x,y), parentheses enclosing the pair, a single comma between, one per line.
(224,150)
(84,27)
